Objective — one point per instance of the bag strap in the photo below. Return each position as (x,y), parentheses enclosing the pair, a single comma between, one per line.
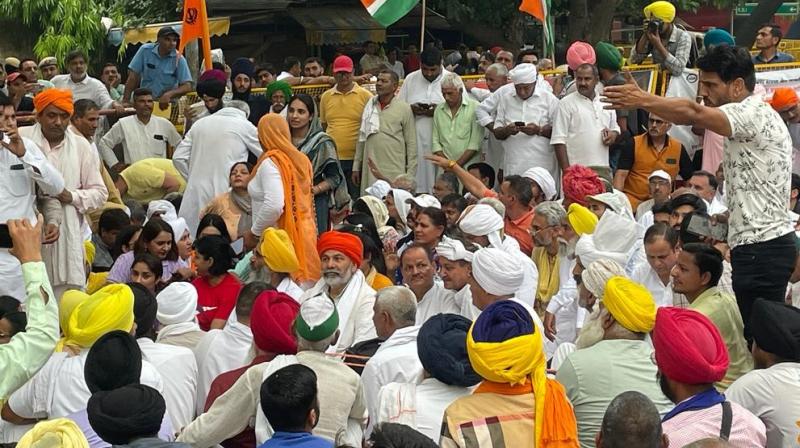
(727,420)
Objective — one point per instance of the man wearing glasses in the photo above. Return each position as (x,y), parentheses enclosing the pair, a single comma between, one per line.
(651,152)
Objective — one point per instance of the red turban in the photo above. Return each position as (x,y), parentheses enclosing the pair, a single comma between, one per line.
(346,243)
(783,98)
(272,320)
(580,182)
(688,346)
(60,98)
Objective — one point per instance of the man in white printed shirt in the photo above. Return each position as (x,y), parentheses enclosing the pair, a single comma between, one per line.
(524,121)
(82,85)
(143,136)
(583,130)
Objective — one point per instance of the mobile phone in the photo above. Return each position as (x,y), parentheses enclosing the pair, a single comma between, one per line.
(701,226)
(519,123)
(5,237)
(425,105)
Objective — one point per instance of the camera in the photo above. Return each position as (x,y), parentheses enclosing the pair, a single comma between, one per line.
(654,26)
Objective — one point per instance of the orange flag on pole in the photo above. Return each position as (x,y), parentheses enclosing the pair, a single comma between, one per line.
(536,8)
(195,25)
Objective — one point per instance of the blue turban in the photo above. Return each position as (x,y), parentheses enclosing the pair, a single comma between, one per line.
(501,321)
(442,350)
(718,36)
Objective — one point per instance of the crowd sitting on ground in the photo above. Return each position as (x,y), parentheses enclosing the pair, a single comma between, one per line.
(523,261)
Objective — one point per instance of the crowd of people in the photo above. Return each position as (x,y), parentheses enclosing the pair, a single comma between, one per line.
(407,260)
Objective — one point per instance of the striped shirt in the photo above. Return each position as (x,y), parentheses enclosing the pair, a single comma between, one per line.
(747,431)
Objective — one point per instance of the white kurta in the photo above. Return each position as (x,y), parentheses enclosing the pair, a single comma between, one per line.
(139,140)
(578,124)
(178,369)
(417,89)
(205,157)
(21,176)
(662,294)
(266,196)
(564,305)
(396,361)
(437,300)
(522,151)
(463,299)
(218,352)
(290,288)
(79,165)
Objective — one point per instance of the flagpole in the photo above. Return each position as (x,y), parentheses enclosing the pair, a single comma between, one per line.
(422,29)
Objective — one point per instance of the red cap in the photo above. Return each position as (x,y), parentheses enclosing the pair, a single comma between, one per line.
(343,64)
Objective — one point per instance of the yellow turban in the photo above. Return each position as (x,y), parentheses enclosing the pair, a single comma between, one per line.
(278,251)
(581,219)
(69,301)
(58,433)
(631,304)
(109,309)
(89,251)
(660,10)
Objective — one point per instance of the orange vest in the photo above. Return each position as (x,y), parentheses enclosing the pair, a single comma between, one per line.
(646,159)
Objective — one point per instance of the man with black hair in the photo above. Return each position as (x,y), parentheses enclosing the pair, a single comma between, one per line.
(483,172)
(82,85)
(108,226)
(661,248)
(516,195)
(528,56)
(418,268)
(392,435)
(757,163)
(289,401)
(242,82)
(705,185)
(422,89)
(696,275)
(684,204)
(313,67)
(453,205)
(631,420)
(446,184)
(794,204)
(767,40)
(159,67)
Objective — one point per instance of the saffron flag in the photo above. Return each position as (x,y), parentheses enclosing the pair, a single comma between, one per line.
(387,12)
(540,9)
(195,25)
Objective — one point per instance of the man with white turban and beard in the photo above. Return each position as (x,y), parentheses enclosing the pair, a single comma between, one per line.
(615,237)
(455,268)
(482,225)
(341,255)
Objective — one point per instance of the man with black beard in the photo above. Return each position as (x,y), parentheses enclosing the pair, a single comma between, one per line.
(242,73)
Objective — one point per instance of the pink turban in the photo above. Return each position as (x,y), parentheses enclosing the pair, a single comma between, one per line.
(688,346)
(580,53)
(579,182)
(215,74)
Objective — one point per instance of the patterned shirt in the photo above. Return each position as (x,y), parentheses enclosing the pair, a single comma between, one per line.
(747,431)
(758,170)
(489,420)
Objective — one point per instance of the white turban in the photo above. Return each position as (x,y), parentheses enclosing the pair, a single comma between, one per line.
(482,220)
(165,208)
(179,227)
(379,189)
(425,200)
(544,180)
(453,250)
(400,196)
(177,303)
(523,74)
(617,201)
(614,238)
(496,272)
(597,273)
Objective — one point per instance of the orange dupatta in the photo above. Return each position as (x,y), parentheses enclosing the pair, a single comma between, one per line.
(298,218)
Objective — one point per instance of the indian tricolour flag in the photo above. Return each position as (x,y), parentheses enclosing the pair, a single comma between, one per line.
(541,10)
(387,12)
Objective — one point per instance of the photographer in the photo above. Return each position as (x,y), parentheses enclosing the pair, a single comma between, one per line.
(669,45)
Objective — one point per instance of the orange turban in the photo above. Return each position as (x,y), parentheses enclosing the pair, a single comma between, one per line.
(60,98)
(783,97)
(346,243)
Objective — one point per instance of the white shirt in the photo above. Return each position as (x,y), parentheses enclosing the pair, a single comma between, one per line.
(178,368)
(771,394)
(88,88)
(139,140)
(417,89)
(266,196)
(527,151)
(21,176)
(290,288)
(284,75)
(205,157)
(794,132)
(564,306)
(220,351)
(59,388)
(662,294)
(396,361)
(437,300)
(463,298)
(757,160)
(579,123)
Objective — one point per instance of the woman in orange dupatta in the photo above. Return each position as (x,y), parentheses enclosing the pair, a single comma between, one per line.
(280,191)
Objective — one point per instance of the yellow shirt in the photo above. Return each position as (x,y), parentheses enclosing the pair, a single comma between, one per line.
(145,179)
(341,112)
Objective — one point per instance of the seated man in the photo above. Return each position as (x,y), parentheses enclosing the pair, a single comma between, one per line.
(631,420)
(418,268)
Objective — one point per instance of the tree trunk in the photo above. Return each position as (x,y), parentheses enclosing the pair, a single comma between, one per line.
(602,15)
(590,20)
(745,28)
(578,20)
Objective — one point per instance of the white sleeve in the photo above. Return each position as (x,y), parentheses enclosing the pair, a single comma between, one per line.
(180,159)
(106,145)
(172,136)
(488,108)
(267,214)
(560,126)
(752,392)
(250,138)
(559,300)
(43,172)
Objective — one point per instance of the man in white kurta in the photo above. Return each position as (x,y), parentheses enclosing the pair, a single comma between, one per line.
(422,90)
(84,189)
(205,157)
(23,167)
(524,121)
(455,267)
(418,274)
(143,136)
(178,370)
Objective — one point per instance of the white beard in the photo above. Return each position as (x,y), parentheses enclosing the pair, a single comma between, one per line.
(592,331)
